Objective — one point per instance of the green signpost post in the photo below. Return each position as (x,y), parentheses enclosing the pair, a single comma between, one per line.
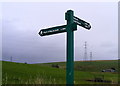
(71,26)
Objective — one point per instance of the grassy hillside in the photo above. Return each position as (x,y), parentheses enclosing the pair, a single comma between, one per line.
(20,73)
(29,73)
(88,66)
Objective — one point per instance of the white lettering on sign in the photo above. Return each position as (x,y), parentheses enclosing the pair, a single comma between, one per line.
(63,29)
(54,30)
(78,22)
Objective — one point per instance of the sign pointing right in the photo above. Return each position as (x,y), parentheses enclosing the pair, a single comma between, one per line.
(81,22)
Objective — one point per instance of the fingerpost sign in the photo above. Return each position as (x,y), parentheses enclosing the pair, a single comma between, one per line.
(70,27)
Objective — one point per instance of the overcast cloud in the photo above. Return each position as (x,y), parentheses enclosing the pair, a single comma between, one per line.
(22,22)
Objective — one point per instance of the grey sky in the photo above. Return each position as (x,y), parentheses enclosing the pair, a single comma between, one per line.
(22,22)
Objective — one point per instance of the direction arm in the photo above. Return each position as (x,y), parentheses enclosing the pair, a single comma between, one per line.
(53,30)
(82,23)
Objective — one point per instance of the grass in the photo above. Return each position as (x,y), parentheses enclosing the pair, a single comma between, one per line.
(20,73)
(0,72)
(88,66)
(13,73)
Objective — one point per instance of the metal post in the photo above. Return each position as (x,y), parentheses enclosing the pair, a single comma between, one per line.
(70,49)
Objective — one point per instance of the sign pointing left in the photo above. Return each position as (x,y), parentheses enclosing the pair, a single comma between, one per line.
(53,30)
(57,29)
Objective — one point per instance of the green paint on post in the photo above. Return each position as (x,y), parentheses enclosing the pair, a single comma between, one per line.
(70,48)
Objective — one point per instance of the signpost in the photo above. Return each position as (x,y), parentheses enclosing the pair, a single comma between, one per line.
(71,26)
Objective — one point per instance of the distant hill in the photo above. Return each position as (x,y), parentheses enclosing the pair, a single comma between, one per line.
(88,66)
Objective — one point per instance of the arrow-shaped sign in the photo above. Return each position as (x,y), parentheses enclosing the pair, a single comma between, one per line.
(58,29)
(81,22)
(53,30)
